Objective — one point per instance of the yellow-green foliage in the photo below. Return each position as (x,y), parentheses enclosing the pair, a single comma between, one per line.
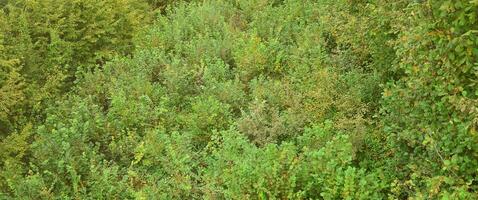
(11,85)
(45,46)
(238,99)
(48,44)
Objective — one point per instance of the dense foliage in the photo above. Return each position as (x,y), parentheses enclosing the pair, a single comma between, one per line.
(238,99)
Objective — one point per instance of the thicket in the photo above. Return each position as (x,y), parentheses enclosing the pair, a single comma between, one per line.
(238,99)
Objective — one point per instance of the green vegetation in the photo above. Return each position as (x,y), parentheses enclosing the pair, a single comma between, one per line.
(238,99)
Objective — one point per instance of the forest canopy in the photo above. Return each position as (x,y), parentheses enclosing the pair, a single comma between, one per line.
(238,99)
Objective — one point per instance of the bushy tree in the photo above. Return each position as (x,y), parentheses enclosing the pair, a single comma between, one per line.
(46,45)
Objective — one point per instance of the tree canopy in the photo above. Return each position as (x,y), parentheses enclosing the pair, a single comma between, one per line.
(238,99)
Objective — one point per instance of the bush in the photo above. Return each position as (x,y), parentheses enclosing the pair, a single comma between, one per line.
(240,99)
